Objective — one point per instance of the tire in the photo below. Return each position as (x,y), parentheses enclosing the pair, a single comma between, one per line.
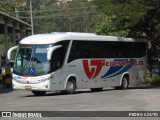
(71,86)
(124,84)
(39,93)
(96,89)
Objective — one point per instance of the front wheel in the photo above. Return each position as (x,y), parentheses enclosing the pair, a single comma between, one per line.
(71,86)
(39,93)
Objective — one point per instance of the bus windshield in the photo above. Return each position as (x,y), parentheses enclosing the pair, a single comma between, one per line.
(31,60)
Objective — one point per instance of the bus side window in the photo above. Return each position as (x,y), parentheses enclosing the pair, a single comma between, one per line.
(75,52)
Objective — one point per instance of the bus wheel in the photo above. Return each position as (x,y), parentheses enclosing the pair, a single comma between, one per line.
(71,86)
(96,89)
(39,93)
(125,83)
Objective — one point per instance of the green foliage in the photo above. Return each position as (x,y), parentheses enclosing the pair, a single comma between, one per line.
(107,25)
(154,80)
(141,17)
(134,18)
(128,14)
(9,5)
(50,15)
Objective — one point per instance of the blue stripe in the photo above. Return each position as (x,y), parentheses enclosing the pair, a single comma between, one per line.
(116,70)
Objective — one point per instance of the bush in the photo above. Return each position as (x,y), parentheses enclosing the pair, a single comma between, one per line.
(154,80)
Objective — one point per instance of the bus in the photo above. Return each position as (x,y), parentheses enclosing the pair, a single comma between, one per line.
(69,61)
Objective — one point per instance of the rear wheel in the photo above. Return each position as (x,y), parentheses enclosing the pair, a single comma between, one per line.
(39,93)
(96,89)
(124,84)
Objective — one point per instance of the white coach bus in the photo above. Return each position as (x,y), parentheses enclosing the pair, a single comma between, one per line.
(70,61)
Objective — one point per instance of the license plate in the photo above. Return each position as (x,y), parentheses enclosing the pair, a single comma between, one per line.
(28,87)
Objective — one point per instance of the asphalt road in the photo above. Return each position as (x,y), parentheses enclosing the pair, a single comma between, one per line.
(133,99)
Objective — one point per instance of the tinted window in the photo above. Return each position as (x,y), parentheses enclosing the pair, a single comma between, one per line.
(140,49)
(89,49)
(106,49)
(58,55)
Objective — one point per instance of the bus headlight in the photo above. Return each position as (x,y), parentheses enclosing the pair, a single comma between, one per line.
(45,79)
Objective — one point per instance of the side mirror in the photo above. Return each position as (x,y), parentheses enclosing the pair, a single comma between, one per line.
(10,51)
(50,51)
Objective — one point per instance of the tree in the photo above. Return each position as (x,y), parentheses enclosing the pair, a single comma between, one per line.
(53,15)
(107,25)
(9,5)
(136,18)
(50,15)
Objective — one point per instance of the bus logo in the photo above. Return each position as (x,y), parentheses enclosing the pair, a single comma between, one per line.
(118,66)
(92,67)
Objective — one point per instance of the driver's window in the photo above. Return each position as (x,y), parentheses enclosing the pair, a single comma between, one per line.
(58,55)
(57,59)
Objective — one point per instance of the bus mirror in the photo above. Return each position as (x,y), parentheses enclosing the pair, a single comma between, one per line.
(10,51)
(50,51)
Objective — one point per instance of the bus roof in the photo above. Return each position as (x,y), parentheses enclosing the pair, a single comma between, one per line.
(54,37)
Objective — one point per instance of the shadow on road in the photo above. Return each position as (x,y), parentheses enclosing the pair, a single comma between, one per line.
(90,92)
(145,87)
(60,94)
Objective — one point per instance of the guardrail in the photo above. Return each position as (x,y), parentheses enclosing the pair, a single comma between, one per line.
(8,77)
(5,78)
(1,83)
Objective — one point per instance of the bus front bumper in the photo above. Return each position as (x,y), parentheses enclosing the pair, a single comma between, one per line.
(43,86)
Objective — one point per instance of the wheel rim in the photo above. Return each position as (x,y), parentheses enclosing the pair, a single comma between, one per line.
(125,83)
(69,86)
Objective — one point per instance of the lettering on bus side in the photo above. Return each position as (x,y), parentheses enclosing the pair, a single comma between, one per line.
(71,66)
(92,68)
